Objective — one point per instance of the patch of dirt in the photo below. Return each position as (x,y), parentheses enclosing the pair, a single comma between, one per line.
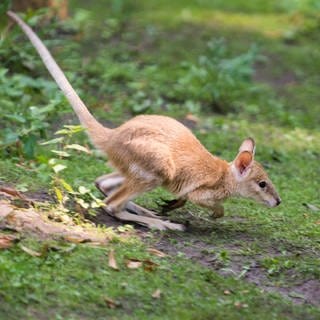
(41,196)
(238,265)
(277,81)
(102,218)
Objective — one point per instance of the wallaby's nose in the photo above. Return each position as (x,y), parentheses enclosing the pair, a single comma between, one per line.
(278,201)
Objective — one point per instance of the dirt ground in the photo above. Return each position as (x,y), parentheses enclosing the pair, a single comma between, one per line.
(188,243)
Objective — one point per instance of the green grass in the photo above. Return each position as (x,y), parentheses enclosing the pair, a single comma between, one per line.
(75,285)
(130,48)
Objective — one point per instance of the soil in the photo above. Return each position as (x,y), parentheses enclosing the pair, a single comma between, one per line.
(263,74)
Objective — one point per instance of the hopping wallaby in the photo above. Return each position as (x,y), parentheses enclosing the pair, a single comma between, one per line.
(151,150)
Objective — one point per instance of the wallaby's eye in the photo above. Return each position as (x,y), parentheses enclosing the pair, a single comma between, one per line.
(262,184)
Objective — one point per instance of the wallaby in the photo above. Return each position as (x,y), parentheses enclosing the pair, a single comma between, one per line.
(151,150)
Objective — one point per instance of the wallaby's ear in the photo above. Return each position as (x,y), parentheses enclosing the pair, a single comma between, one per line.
(248,145)
(243,161)
(245,157)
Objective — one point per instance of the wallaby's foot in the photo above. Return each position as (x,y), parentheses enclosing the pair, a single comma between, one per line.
(150,222)
(218,211)
(141,211)
(170,205)
(109,182)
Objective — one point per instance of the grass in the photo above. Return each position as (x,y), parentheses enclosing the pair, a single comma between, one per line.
(78,284)
(279,247)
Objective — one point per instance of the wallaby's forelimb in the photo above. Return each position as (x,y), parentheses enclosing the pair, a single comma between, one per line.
(170,205)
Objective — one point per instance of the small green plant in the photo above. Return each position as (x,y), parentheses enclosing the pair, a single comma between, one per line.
(25,120)
(64,192)
(275,265)
(29,102)
(216,80)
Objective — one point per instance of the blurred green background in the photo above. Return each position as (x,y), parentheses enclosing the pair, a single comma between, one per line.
(228,70)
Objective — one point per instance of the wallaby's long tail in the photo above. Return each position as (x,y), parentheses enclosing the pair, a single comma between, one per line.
(93,127)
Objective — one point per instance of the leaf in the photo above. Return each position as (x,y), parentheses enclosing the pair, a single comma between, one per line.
(4,6)
(53,141)
(294,294)
(112,260)
(11,192)
(58,167)
(15,193)
(97,204)
(312,207)
(123,228)
(6,241)
(76,239)
(112,304)
(22,187)
(30,251)
(78,147)
(133,263)
(83,190)
(29,143)
(15,117)
(59,194)
(10,137)
(157,294)
(157,253)
(52,161)
(61,153)
(70,130)
(82,203)
(66,185)
(149,265)
(63,249)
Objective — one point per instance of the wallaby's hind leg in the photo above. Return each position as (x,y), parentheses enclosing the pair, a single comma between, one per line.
(108,183)
(130,188)
(118,200)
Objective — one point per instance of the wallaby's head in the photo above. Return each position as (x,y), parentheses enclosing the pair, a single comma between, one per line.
(250,179)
